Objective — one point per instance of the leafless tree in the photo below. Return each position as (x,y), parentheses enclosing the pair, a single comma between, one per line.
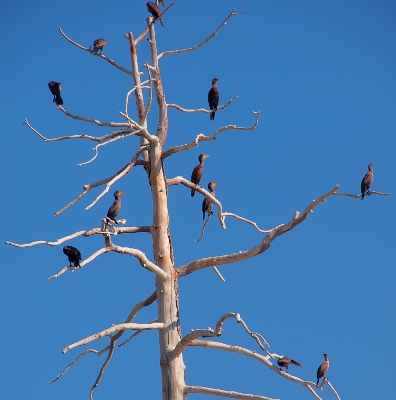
(152,155)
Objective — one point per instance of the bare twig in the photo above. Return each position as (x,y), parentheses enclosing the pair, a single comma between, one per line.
(224,393)
(203,228)
(180,180)
(109,331)
(95,54)
(227,214)
(202,138)
(171,52)
(103,369)
(334,391)
(359,196)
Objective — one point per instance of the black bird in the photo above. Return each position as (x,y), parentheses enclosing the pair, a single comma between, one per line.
(213,98)
(367,180)
(98,44)
(323,368)
(197,172)
(207,205)
(285,362)
(115,207)
(55,88)
(73,255)
(155,12)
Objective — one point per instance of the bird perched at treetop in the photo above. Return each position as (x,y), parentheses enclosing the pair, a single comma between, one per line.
(213,98)
(155,12)
(55,88)
(197,172)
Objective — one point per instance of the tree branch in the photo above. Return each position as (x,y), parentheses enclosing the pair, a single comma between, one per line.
(109,331)
(99,139)
(202,138)
(171,52)
(261,248)
(180,180)
(203,110)
(209,332)
(263,359)
(224,393)
(95,54)
(359,196)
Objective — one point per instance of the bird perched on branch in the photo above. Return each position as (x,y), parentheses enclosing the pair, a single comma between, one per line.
(98,44)
(324,367)
(197,172)
(155,12)
(207,205)
(115,207)
(213,98)
(285,362)
(367,180)
(73,255)
(55,88)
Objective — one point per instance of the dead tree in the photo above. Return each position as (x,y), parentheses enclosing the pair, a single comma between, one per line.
(152,155)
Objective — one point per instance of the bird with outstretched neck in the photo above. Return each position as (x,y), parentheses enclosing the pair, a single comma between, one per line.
(197,172)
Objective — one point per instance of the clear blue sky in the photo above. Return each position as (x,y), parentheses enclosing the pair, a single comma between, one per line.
(323,76)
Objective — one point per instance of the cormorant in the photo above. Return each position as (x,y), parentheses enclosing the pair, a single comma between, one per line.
(207,205)
(73,255)
(55,88)
(197,172)
(285,362)
(213,98)
(115,207)
(367,180)
(324,367)
(155,12)
(98,44)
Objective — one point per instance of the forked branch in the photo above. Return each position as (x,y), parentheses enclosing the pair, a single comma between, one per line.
(202,138)
(171,52)
(261,248)
(95,54)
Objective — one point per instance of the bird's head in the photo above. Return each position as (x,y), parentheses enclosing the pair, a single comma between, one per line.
(118,193)
(370,167)
(202,157)
(211,185)
(214,81)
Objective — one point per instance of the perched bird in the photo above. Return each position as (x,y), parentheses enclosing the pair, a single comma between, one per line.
(324,367)
(285,362)
(155,12)
(213,98)
(197,172)
(367,180)
(115,207)
(98,44)
(207,205)
(55,88)
(73,255)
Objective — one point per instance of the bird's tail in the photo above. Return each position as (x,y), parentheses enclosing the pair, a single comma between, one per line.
(295,363)
(192,192)
(212,115)
(362,195)
(162,23)
(58,100)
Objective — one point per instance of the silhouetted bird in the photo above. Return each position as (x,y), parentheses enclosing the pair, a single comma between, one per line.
(367,180)
(207,205)
(324,367)
(55,88)
(98,44)
(115,207)
(285,362)
(73,255)
(197,172)
(213,98)
(155,12)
